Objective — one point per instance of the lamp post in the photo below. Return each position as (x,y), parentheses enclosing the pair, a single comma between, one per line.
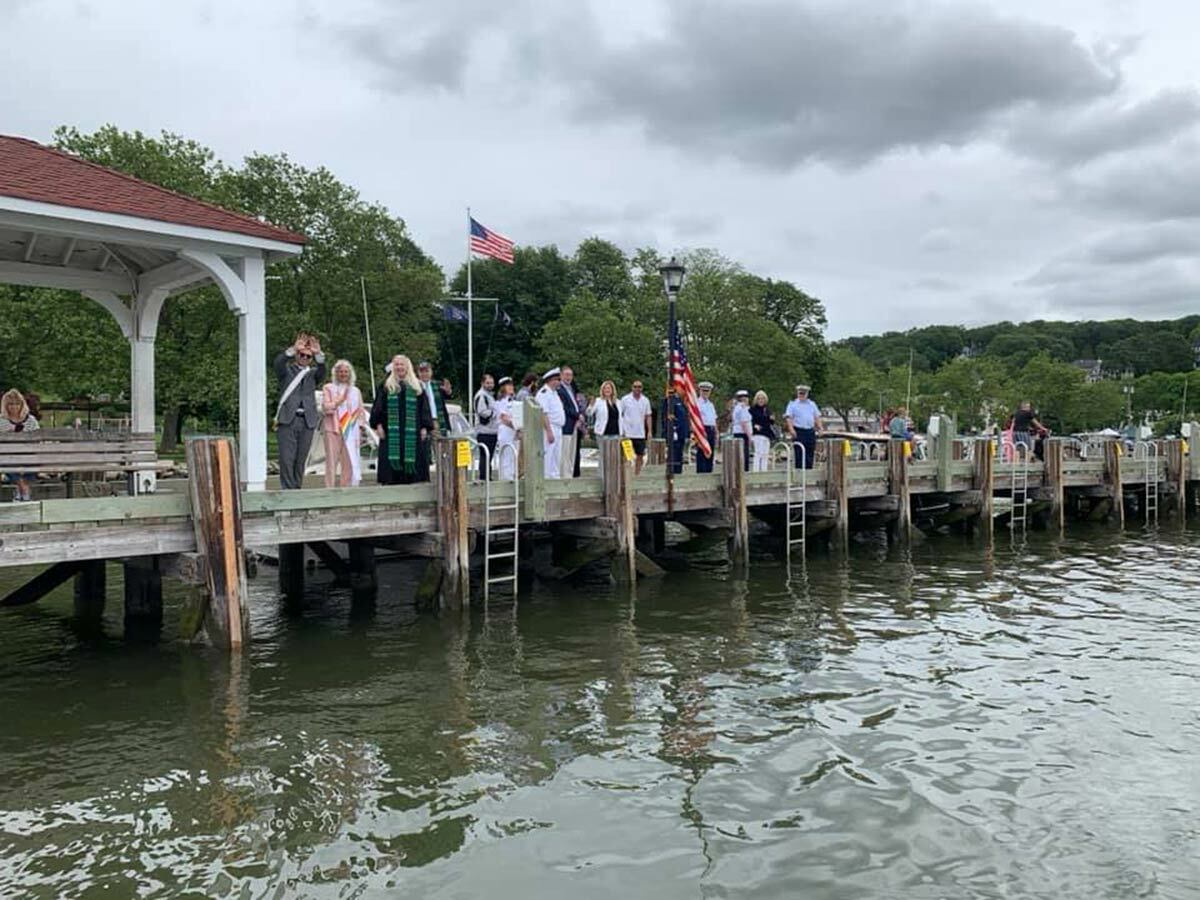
(1127,390)
(672,273)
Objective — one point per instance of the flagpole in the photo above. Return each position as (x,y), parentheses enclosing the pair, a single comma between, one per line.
(470,392)
(362,281)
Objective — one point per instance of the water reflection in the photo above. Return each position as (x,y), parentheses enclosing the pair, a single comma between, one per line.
(951,720)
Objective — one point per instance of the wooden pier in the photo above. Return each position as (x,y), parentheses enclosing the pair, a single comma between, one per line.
(201,531)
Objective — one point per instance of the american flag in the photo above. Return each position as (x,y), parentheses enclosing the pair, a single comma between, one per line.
(684,383)
(486,242)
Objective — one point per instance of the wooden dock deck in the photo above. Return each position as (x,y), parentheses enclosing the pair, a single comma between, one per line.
(964,483)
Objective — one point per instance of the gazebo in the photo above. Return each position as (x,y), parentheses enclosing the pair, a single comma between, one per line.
(129,246)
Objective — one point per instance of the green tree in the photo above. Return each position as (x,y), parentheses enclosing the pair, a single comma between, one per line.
(973,391)
(602,342)
(849,383)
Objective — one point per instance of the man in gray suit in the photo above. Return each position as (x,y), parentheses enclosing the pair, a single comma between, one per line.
(300,369)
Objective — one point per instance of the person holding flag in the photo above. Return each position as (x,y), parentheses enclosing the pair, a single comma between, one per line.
(342,406)
(708,418)
(683,385)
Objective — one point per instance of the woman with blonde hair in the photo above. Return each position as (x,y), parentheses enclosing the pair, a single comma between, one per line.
(15,417)
(606,419)
(402,423)
(763,431)
(343,413)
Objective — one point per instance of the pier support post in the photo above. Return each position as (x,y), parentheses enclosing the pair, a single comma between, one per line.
(733,480)
(901,526)
(143,597)
(91,586)
(361,553)
(1177,475)
(291,573)
(984,481)
(618,505)
(454,520)
(1112,479)
(1053,482)
(837,454)
(944,448)
(213,485)
(532,462)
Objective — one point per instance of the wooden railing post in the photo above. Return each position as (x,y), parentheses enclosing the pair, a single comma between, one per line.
(837,487)
(453,520)
(944,446)
(217,520)
(898,487)
(533,455)
(617,472)
(733,479)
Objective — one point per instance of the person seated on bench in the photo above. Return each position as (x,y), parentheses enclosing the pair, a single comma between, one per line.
(15,416)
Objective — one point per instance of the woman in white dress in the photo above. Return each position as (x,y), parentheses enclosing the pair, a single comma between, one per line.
(341,402)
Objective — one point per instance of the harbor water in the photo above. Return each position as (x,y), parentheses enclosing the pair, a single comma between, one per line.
(950,721)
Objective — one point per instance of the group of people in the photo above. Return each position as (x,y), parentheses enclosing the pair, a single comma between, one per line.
(410,408)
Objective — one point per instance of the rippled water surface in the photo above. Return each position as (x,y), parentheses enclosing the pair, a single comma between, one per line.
(954,722)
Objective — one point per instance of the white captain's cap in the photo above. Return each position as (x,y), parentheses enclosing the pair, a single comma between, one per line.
(804,387)
(705,385)
(742,393)
(504,380)
(552,373)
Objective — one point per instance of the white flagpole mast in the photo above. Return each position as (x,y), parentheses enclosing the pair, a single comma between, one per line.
(367,325)
(470,393)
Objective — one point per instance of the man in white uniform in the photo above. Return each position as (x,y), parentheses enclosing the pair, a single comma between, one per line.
(553,419)
(708,418)
(634,409)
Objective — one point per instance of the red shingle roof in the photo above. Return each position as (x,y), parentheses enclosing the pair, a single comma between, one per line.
(31,171)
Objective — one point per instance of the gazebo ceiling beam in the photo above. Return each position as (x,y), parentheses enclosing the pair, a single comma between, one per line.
(35,275)
(170,277)
(68,252)
(29,245)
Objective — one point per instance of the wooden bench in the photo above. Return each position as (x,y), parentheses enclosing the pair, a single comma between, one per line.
(71,452)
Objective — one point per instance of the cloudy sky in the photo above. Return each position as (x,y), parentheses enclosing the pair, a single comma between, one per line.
(909,162)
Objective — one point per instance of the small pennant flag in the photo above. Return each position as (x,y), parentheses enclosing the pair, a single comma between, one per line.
(452,313)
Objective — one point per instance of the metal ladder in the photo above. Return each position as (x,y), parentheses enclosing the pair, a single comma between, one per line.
(1018,516)
(1147,452)
(489,508)
(795,498)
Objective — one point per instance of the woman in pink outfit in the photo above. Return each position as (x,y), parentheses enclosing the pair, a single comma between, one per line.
(341,403)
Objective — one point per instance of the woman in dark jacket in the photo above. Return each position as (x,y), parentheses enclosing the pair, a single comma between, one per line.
(763,432)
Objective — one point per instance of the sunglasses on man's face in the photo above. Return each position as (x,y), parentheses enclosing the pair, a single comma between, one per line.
(304,356)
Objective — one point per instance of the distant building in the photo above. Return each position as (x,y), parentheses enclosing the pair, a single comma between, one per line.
(1093,369)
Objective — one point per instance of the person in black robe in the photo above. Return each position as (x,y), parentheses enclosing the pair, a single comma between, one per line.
(403,422)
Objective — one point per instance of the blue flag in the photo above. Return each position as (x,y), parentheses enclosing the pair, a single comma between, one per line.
(452,313)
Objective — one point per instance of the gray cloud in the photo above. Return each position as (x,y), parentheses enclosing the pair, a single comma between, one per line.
(1072,137)
(1160,183)
(779,84)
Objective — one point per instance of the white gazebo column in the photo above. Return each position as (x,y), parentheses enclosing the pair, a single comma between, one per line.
(252,375)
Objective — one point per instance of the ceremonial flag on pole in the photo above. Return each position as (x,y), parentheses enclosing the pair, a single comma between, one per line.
(684,383)
(486,242)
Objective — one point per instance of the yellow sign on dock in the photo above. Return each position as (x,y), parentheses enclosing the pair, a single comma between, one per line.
(463,455)
(627,449)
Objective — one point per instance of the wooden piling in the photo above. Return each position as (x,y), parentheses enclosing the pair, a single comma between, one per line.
(143,596)
(91,590)
(361,561)
(1053,482)
(837,454)
(213,485)
(617,471)
(984,481)
(453,520)
(733,480)
(1177,475)
(1112,480)
(533,454)
(944,449)
(898,487)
